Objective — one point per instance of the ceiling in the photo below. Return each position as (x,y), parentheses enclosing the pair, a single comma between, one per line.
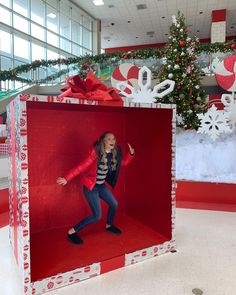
(124,25)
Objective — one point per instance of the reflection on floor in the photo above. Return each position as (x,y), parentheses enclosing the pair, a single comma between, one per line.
(56,254)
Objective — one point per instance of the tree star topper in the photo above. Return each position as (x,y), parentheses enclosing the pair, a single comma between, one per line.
(144,94)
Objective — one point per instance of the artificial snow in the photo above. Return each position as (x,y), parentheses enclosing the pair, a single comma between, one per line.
(198,158)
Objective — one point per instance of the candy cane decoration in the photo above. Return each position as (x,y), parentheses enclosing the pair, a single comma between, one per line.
(125,73)
(144,94)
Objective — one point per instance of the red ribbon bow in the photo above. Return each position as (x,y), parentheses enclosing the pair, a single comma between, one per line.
(91,88)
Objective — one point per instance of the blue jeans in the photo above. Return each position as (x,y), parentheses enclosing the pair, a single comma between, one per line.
(100,191)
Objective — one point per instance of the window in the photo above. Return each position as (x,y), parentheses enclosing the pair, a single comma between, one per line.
(37,32)
(87,23)
(37,52)
(6,63)
(52,39)
(37,11)
(64,26)
(75,32)
(87,39)
(76,15)
(21,7)
(65,8)
(53,3)
(42,29)
(5,16)
(52,55)
(5,42)
(65,45)
(52,19)
(76,50)
(21,48)
(20,23)
(5,3)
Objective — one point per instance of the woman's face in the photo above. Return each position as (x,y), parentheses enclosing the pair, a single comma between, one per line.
(109,141)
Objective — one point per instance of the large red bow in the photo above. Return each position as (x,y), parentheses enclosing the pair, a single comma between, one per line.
(91,88)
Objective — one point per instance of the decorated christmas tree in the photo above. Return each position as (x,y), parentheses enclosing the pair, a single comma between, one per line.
(179,65)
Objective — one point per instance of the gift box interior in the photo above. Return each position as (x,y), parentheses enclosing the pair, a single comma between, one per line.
(59,136)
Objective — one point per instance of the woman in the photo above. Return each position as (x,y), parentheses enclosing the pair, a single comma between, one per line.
(100,166)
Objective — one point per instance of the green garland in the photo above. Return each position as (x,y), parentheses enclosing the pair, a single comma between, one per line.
(110,58)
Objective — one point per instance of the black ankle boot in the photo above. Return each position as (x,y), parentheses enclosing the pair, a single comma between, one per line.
(74,238)
(114,230)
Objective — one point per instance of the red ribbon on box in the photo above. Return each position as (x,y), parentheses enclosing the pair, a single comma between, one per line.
(91,88)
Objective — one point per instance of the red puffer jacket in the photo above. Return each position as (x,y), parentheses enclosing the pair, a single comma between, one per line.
(87,168)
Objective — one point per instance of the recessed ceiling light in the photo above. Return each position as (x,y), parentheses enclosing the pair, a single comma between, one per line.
(141,6)
(98,2)
(150,33)
(52,15)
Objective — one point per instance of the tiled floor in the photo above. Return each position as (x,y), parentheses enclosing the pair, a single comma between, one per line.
(206,260)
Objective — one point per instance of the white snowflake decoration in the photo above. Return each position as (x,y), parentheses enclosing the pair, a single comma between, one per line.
(215,63)
(144,94)
(214,122)
(230,107)
(174,19)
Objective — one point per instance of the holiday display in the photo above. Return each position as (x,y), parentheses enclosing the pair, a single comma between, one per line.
(125,72)
(179,65)
(226,78)
(226,73)
(82,63)
(91,88)
(214,122)
(47,135)
(229,103)
(143,94)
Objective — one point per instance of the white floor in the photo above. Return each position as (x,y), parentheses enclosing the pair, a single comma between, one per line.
(205,261)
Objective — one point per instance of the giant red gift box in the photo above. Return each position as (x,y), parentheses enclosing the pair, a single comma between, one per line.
(49,135)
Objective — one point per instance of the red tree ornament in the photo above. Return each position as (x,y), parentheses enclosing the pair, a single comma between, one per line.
(182,43)
(233,46)
(125,56)
(132,55)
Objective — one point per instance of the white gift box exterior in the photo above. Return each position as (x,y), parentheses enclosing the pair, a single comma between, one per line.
(20,197)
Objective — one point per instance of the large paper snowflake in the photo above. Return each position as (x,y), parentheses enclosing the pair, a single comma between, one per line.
(230,108)
(143,94)
(214,123)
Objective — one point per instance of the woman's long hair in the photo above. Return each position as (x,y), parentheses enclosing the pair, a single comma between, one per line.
(102,151)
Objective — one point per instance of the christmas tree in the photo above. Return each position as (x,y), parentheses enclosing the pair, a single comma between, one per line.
(179,65)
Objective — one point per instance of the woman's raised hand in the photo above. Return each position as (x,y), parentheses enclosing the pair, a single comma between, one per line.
(61,181)
(131,150)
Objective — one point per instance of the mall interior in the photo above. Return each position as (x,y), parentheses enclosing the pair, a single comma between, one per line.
(71,70)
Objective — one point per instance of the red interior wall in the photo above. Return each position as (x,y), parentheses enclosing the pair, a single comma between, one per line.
(148,194)
(59,136)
